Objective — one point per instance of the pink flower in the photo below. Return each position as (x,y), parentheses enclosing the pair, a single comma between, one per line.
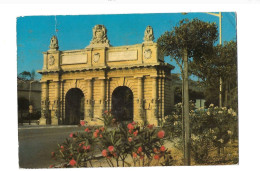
(80,144)
(51,166)
(62,147)
(102,129)
(134,155)
(104,153)
(133,123)
(115,155)
(130,126)
(130,139)
(95,134)
(140,149)
(82,123)
(88,147)
(156,157)
(111,148)
(135,133)
(87,130)
(162,149)
(130,131)
(71,135)
(97,131)
(84,147)
(161,134)
(100,135)
(73,162)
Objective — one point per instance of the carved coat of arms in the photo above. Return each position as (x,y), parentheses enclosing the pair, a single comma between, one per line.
(99,35)
(96,57)
(147,53)
(51,60)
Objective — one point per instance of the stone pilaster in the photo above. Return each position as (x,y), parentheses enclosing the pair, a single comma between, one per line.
(108,107)
(44,103)
(55,106)
(88,102)
(102,100)
(154,117)
(140,115)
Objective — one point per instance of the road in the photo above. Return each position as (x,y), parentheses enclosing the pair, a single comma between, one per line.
(37,142)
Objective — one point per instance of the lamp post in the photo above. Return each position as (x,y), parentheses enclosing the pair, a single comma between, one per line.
(30,106)
(185,110)
(219,15)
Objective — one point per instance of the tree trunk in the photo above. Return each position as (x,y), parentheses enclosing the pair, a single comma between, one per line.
(186,111)
(226,94)
(220,91)
(182,112)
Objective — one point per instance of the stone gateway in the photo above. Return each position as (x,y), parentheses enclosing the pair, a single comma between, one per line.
(132,81)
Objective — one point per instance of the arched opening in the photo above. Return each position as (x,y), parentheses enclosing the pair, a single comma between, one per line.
(74,106)
(122,104)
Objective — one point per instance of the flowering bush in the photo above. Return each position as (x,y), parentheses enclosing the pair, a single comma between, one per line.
(133,140)
(211,129)
(141,143)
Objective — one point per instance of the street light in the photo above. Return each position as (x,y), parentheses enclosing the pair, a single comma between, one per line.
(185,110)
(30,106)
(219,15)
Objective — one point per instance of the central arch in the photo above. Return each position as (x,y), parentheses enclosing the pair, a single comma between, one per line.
(74,106)
(122,103)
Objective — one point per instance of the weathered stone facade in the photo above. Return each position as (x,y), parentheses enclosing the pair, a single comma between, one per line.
(97,71)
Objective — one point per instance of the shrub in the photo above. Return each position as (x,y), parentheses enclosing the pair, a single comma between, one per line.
(142,143)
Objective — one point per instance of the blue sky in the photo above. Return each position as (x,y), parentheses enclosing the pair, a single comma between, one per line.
(75,32)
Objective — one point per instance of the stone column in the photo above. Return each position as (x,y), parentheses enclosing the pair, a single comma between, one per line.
(107,94)
(88,104)
(154,117)
(102,100)
(139,116)
(55,108)
(44,103)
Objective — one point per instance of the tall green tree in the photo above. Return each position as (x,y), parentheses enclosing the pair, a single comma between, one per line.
(221,63)
(188,41)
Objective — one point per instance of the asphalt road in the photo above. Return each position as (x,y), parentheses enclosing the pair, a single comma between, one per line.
(36,144)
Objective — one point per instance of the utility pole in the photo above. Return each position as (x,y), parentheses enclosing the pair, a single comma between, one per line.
(219,15)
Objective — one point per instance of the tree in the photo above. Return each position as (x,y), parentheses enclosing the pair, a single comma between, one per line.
(188,40)
(26,75)
(222,63)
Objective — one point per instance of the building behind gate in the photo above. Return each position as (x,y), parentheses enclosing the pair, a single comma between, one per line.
(132,81)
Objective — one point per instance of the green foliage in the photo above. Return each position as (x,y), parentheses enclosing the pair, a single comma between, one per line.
(211,129)
(196,36)
(142,143)
(221,63)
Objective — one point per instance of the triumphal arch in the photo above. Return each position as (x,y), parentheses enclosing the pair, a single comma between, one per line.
(132,81)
